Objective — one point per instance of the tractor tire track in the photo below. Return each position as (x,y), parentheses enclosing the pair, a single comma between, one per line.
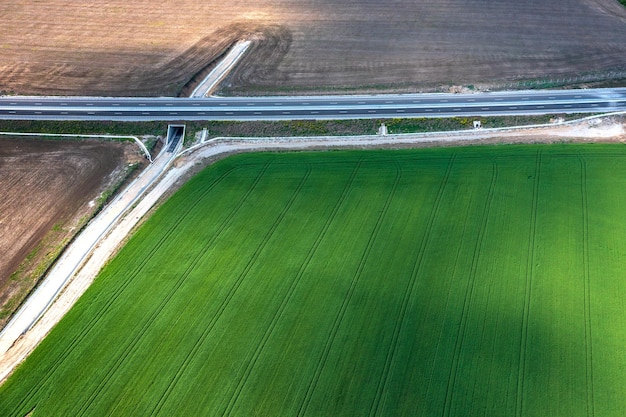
(469,294)
(587,291)
(346,301)
(375,408)
(157,311)
(281,310)
(200,341)
(528,289)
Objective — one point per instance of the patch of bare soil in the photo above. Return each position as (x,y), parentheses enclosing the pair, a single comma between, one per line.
(49,190)
(148,47)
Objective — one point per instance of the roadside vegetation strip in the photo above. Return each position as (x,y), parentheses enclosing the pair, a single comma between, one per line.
(339,278)
(274,128)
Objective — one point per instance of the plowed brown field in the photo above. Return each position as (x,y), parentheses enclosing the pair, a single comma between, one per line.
(48,188)
(149,47)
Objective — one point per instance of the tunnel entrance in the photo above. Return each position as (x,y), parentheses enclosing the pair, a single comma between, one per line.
(175,135)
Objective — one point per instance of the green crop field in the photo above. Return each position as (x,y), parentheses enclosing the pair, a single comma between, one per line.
(481,281)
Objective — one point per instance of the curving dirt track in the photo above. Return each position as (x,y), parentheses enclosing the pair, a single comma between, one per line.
(149,47)
(48,188)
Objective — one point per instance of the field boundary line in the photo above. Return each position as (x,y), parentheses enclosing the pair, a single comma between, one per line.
(211,325)
(70,135)
(121,288)
(408,293)
(166,299)
(530,262)
(587,291)
(346,301)
(469,293)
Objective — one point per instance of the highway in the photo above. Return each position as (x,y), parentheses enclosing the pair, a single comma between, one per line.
(313,107)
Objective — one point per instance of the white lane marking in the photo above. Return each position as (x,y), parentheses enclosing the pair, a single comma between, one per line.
(38,104)
(249,104)
(578,96)
(278,104)
(195,104)
(498,99)
(145,112)
(551,97)
(118,113)
(91,113)
(484,108)
(512,108)
(399,111)
(168,104)
(63,104)
(37,112)
(371,111)
(333,102)
(541,107)
(456,109)
(286,112)
(567,105)
(416,101)
(173,113)
(443,101)
(429,109)
(315,112)
(229,113)
(12,112)
(594,105)
(257,112)
(64,112)
(388,102)
(525,98)
(202,113)
(343,111)
(306,104)
(223,104)
(88,104)
(360,102)
(471,99)
(141,104)
(13,104)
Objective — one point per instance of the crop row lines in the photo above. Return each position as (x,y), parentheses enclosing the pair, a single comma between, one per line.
(469,293)
(530,262)
(226,301)
(587,291)
(346,301)
(167,298)
(408,292)
(275,319)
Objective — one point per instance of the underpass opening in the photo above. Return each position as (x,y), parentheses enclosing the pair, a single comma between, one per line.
(175,134)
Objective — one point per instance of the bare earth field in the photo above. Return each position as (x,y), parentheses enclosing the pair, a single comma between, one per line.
(48,189)
(149,47)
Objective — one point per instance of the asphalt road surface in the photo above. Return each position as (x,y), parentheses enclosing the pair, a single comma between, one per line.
(316,107)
